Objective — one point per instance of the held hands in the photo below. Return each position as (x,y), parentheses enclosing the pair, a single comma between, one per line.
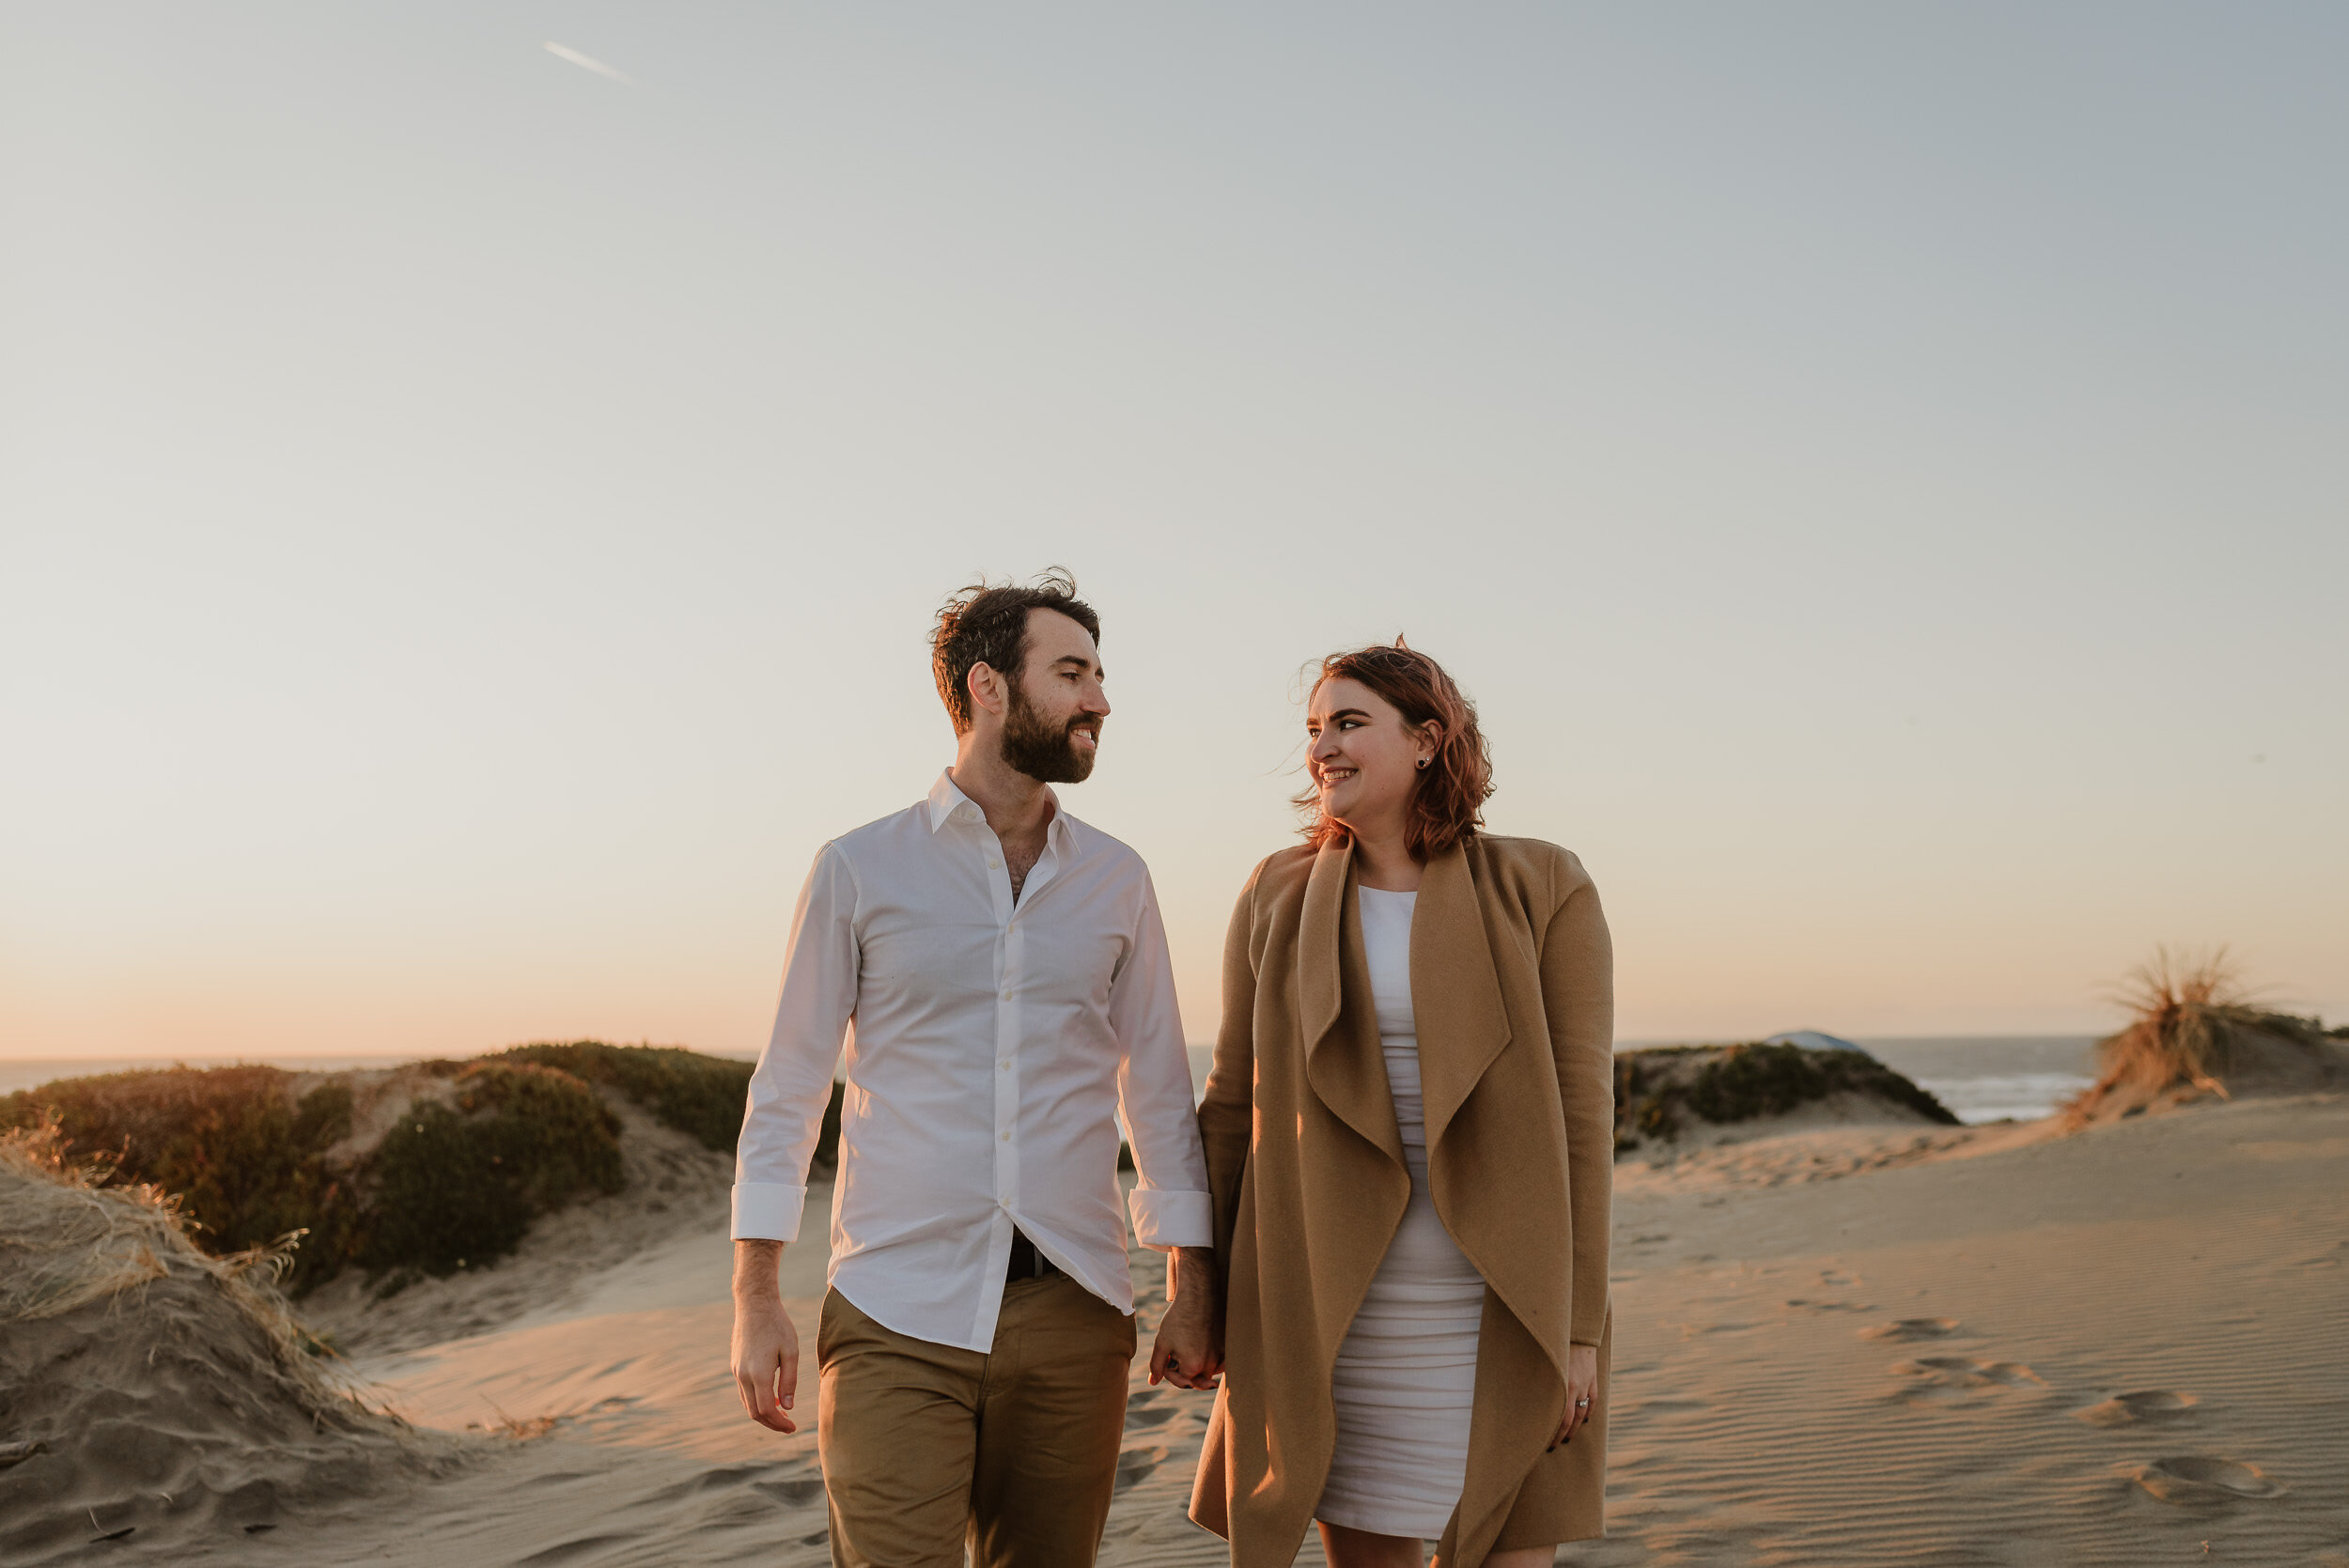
(766,1347)
(1188,1352)
(1582,1391)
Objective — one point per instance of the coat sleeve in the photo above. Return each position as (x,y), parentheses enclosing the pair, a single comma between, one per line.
(1578,998)
(1227,1111)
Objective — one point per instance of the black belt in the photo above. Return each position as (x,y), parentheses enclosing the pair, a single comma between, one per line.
(1026,1261)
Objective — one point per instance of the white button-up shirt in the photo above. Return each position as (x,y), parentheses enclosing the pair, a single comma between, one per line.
(992,1044)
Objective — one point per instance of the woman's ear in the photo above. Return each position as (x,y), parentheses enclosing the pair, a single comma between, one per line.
(1432,732)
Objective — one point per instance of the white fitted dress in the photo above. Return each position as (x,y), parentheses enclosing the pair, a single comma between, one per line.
(1405,1375)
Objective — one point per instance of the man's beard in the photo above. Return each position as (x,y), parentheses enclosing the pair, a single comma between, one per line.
(1043,751)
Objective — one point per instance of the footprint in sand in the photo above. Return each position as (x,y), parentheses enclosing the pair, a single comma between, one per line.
(2196,1478)
(1803,1304)
(2147,1405)
(1142,1417)
(1964,1372)
(565,1552)
(1912,1328)
(1135,1465)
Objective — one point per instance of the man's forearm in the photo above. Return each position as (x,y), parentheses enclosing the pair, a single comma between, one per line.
(756,1268)
(1190,1268)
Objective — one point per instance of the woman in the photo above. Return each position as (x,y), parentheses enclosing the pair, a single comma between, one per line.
(1410,1136)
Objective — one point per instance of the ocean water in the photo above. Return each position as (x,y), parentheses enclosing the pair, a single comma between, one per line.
(1990,1078)
(1980,1077)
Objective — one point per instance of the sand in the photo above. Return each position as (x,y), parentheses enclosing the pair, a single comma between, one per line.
(1838,1344)
(157,1400)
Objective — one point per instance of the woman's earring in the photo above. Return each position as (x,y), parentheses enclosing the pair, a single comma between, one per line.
(1424,761)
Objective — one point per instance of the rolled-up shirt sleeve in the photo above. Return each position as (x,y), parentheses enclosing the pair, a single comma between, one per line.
(1170,1203)
(792,1083)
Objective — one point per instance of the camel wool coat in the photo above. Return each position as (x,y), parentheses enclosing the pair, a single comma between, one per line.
(1511,991)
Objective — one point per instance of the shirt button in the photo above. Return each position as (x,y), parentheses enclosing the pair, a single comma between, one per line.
(1006,1137)
(994,865)
(1006,996)
(1004,1066)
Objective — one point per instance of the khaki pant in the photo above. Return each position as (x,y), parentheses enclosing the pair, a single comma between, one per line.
(927,1447)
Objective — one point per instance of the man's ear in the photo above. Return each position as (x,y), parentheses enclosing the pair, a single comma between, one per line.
(986,687)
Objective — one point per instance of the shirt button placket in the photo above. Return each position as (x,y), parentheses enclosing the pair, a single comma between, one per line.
(1006,1079)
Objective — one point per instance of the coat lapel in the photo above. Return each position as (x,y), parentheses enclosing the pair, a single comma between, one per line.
(1457,1005)
(1343,1059)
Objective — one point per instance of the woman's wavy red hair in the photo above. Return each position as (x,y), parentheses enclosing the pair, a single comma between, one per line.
(1448,801)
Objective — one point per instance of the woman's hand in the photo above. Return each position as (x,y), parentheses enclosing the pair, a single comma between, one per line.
(1581,1391)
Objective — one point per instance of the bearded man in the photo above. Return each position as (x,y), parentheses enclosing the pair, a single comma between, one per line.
(1005,971)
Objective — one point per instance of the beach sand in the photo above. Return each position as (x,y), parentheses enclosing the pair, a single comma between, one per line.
(1837,1344)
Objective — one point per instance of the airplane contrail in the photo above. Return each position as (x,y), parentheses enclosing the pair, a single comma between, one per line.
(587,62)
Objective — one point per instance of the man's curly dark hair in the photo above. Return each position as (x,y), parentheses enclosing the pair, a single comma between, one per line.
(987,624)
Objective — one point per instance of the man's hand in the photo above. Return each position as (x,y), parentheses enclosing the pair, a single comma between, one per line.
(766,1345)
(1188,1352)
(1581,1391)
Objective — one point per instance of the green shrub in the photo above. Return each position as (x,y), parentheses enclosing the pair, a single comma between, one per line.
(450,1188)
(702,1097)
(246,1158)
(1723,1084)
(449,1185)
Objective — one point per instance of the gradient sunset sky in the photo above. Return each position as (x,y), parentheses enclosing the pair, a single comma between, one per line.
(469,518)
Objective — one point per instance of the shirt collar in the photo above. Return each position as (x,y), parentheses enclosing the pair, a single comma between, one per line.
(948,803)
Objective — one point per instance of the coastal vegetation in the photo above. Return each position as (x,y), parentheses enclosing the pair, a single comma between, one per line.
(432,1167)
(154,1379)
(1659,1092)
(2195,1032)
(699,1096)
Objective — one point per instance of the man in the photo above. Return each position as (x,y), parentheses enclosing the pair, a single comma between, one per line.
(1005,971)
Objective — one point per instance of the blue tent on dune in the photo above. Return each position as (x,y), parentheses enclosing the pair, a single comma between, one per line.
(1813,1039)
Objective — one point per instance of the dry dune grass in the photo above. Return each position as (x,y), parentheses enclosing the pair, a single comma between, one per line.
(2196,1031)
(67,1243)
(148,1389)
(70,1241)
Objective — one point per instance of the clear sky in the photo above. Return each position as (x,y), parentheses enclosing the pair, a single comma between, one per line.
(469,520)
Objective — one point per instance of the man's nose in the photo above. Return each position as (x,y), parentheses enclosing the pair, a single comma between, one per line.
(1098,703)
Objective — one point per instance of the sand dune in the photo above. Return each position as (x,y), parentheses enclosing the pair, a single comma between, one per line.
(152,1399)
(1838,1344)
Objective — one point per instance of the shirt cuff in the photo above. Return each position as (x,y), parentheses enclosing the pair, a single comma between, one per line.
(767,1211)
(1164,1220)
